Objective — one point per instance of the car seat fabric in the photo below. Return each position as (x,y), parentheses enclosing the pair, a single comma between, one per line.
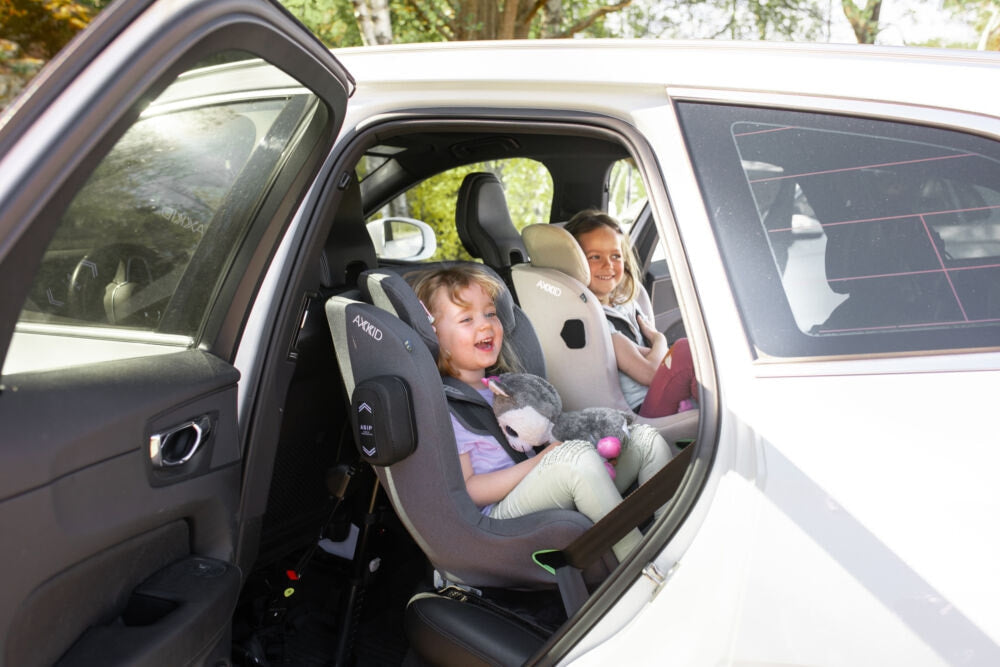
(349,249)
(573,331)
(427,488)
(484,224)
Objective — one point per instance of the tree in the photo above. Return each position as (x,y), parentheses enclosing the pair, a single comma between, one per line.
(721,19)
(864,21)
(984,15)
(43,28)
(31,32)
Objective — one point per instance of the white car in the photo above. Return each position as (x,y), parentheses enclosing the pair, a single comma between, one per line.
(186,188)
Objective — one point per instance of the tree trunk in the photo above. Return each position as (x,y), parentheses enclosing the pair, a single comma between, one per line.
(552,25)
(381,21)
(864,22)
(990,39)
(363,14)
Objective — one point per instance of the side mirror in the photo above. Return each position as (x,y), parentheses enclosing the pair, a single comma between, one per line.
(402,238)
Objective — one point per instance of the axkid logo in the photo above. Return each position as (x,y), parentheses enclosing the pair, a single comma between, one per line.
(548,287)
(367,327)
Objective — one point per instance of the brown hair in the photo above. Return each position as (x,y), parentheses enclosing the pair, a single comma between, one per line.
(454,279)
(590,219)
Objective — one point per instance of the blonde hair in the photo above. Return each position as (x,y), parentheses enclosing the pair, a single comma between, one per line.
(590,219)
(455,279)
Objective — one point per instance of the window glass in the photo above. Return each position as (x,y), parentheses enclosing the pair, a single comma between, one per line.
(527,185)
(143,243)
(846,235)
(626,192)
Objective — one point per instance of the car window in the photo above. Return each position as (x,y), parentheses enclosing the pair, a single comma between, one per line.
(626,192)
(847,235)
(527,185)
(177,190)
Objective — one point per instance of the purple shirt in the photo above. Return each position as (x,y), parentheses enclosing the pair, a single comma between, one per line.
(485,453)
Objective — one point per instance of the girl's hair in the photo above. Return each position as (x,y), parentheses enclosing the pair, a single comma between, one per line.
(454,279)
(590,219)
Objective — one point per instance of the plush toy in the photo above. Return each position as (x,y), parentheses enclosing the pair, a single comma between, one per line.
(529,411)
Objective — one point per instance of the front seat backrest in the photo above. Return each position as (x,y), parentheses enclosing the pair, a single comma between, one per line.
(484,224)
(573,330)
(425,484)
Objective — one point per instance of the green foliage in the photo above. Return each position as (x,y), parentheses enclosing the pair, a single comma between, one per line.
(527,186)
(983,15)
(332,21)
(43,27)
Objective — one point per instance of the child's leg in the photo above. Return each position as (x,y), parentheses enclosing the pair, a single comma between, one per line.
(642,456)
(572,476)
(671,385)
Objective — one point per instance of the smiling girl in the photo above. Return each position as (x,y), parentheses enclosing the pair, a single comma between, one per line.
(656,379)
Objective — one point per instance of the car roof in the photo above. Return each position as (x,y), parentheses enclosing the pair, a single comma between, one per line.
(948,77)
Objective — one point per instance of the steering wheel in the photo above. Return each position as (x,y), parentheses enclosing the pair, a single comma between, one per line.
(105,278)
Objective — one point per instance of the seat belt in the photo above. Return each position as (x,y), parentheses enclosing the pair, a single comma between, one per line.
(568,564)
(472,410)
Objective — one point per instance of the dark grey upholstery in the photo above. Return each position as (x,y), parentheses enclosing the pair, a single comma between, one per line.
(889,270)
(447,632)
(484,223)
(427,488)
(349,249)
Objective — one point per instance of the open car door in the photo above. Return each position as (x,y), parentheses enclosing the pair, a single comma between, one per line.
(147,178)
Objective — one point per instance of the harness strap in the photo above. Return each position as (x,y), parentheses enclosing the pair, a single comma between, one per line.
(476,415)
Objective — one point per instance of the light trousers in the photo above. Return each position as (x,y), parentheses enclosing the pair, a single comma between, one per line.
(573,476)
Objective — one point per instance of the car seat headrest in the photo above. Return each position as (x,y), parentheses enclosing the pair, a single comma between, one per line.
(552,247)
(391,293)
(484,224)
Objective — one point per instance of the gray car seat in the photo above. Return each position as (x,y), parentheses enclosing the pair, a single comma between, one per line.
(573,330)
(386,355)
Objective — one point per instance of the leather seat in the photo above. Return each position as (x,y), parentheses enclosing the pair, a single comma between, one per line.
(485,226)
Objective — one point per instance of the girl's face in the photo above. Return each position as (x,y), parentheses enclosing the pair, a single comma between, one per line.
(470,335)
(603,248)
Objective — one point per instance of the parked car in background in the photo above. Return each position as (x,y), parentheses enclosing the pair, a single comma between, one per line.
(185,187)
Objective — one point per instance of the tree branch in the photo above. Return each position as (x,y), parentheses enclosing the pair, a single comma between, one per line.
(529,16)
(585,23)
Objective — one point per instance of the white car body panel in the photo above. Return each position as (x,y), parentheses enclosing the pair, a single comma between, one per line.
(848,518)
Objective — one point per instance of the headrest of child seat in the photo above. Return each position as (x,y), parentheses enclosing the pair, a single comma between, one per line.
(552,247)
(391,293)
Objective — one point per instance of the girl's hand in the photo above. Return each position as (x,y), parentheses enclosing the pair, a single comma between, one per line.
(648,330)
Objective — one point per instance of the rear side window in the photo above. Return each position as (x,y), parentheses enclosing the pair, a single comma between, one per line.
(527,188)
(846,235)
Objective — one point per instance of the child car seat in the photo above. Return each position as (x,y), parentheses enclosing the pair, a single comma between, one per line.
(573,330)
(387,359)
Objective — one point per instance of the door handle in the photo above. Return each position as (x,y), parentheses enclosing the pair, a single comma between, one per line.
(176,446)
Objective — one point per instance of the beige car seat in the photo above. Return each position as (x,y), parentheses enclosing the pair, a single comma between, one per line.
(573,330)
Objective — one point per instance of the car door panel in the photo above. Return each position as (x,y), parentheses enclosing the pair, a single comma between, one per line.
(119,547)
(665,307)
(105,520)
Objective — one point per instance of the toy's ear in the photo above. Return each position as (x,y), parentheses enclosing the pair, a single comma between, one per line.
(494,386)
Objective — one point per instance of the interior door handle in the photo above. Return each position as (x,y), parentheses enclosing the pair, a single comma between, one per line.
(176,446)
